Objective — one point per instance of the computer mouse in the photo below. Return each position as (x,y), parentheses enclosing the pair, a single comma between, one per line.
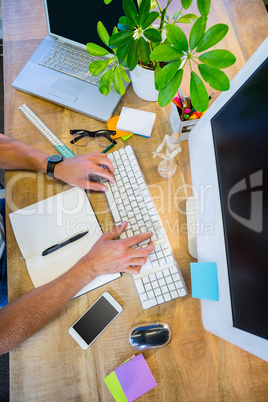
(153,335)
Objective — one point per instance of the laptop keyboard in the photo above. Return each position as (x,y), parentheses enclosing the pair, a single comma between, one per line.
(160,279)
(70,61)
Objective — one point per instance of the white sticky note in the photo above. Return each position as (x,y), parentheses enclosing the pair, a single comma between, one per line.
(136,121)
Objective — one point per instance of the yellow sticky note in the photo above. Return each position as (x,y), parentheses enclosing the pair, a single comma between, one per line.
(115,388)
(111,124)
(126,137)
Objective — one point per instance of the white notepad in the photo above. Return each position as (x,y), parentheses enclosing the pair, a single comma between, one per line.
(52,221)
(136,121)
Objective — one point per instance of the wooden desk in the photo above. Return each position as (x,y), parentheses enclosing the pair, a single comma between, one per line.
(51,366)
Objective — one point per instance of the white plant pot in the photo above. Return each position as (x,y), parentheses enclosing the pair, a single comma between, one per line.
(143,83)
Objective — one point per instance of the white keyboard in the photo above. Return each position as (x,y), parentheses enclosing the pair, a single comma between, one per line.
(70,61)
(160,279)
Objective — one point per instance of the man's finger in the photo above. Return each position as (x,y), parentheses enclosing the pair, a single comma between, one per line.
(116,231)
(140,252)
(104,173)
(133,240)
(133,269)
(90,185)
(103,161)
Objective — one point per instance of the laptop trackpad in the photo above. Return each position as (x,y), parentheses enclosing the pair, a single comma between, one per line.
(65,89)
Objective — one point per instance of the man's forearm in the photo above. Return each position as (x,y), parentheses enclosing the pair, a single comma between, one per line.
(26,315)
(16,155)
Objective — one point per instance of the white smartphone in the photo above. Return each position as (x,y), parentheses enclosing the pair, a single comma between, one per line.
(94,321)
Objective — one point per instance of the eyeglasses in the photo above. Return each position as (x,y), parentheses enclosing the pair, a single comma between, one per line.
(102,137)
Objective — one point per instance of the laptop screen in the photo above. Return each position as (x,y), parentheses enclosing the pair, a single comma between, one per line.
(241,143)
(77,20)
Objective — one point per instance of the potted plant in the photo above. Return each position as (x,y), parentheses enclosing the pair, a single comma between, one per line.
(164,49)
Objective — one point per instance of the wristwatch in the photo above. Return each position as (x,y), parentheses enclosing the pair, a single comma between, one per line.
(52,160)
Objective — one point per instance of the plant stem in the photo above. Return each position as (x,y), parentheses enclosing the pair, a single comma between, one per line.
(158,5)
(163,15)
(179,16)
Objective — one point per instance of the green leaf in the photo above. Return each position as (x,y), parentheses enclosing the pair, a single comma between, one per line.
(186,3)
(97,67)
(132,57)
(198,92)
(118,82)
(150,19)
(217,79)
(166,73)
(167,93)
(156,71)
(143,50)
(96,50)
(165,53)
(203,6)
(120,38)
(218,58)
(187,18)
(197,32)
(130,11)
(107,1)
(105,82)
(124,74)
(213,35)
(122,51)
(144,10)
(177,37)
(115,30)
(103,34)
(124,24)
(152,35)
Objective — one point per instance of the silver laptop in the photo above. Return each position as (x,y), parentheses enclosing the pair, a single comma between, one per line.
(58,70)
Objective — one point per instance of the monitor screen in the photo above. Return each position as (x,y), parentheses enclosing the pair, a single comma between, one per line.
(77,20)
(240,137)
(228,157)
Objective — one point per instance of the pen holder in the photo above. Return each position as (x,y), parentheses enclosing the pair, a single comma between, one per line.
(178,126)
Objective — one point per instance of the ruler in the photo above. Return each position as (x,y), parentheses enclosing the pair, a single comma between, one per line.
(46,132)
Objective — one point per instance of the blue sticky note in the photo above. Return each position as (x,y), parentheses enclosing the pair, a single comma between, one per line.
(204,280)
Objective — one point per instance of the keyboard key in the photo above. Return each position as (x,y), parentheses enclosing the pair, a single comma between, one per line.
(178,284)
(148,287)
(143,296)
(152,277)
(174,294)
(167,297)
(149,303)
(139,286)
(176,277)
(182,292)
(171,287)
(150,294)
(164,289)
(160,299)
(169,279)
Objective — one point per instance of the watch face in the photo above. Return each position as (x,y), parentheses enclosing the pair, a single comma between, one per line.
(55,158)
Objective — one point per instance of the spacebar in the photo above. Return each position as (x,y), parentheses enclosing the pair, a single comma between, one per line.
(112,203)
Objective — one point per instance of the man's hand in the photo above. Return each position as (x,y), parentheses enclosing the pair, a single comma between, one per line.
(75,171)
(109,256)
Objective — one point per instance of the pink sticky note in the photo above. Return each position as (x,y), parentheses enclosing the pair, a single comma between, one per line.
(135,378)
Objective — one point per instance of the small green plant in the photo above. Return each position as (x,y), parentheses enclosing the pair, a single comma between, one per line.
(165,49)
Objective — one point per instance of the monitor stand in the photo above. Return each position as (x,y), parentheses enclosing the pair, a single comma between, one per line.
(191,227)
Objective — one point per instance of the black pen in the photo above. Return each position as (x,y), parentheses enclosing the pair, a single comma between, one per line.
(60,245)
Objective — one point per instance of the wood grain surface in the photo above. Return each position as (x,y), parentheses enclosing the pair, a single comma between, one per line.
(50,366)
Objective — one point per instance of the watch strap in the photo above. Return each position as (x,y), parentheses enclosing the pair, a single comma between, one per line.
(52,163)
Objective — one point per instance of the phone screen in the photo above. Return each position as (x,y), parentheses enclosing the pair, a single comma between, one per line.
(95,320)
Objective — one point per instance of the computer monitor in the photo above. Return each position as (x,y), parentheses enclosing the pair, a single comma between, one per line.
(229,166)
